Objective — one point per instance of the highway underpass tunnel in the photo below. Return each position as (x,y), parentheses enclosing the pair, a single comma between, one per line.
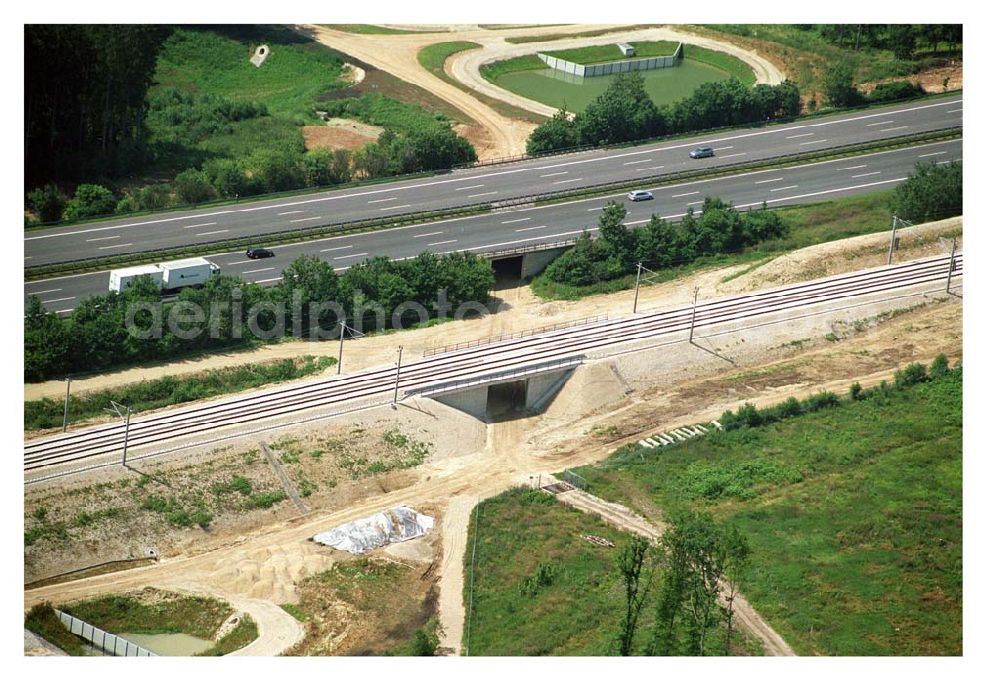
(507,271)
(506,398)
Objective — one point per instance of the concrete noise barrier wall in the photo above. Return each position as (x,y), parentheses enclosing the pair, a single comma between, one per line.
(107,642)
(613,67)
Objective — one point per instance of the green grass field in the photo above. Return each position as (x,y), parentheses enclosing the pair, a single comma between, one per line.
(854,516)
(577,612)
(727,62)
(546,37)
(432,57)
(369,29)
(606,53)
(217,61)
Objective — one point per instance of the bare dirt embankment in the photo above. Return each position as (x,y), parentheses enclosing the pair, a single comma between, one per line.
(643,393)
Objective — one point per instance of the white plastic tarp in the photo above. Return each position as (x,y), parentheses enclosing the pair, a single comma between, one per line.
(392,526)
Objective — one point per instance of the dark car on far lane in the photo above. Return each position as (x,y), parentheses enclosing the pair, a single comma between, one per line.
(259,253)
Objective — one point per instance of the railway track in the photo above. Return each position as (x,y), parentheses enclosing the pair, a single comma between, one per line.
(96,441)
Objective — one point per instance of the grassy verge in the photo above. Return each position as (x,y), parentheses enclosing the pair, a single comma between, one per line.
(582,34)
(539,588)
(529,62)
(42,621)
(169,390)
(607,53)
(157,612)
(853,513)
(370,29)
(432,57)
(382,604)
(727,62)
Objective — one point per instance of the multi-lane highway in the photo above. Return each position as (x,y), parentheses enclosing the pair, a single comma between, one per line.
(557,222)
(484,184)
(93,445)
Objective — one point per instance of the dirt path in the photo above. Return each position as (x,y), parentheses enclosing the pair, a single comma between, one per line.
(464,66)
(451,606)
(623,518)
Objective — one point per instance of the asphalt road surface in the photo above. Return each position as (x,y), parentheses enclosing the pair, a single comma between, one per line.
(558,222)
(481,185)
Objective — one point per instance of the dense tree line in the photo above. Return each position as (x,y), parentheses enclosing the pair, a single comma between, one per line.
(85,98)
(840,90)
(931,192)
(96,334)
(660,244)
(625,112)
(900,39)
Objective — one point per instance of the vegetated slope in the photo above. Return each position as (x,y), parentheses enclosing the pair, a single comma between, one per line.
(539,588)
(853,513)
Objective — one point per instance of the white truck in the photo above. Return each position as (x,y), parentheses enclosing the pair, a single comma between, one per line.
(169,276)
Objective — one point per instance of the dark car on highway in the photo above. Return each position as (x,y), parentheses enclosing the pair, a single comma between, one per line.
(259,253)
(702,151)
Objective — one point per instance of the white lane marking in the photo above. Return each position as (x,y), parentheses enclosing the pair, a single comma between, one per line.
(844,169)
(436,232)
(48,291)
(594,209)
(556,183)
(435,244)
(116,246)
(294,211)
(686,194)
(660,149)
(28,258)
(723,157)
(943,162)
(876,124)
(545,176)
(200,225)
(478,185)
(696,202)
(335,249)
(68,310)
(126,225)
(213,232)
(526,218)
(385,199)
(891,112)
(780,178)
(940,152)
(385,209)
(806,143)
(895,129)
(858,176)
(775,190)
(957,110)
(258,270)
(68,298)
(649,169)
(492,192)
(725,148)
(821,192)
(799,136)
(241,263)
(349,256)
(270,279)
(637,162)
(310,218)
(102,239)
(521,230)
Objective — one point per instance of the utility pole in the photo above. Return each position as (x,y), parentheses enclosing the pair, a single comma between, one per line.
(638,271)
(66,405)
(951,264)
(126,419)
(395,391)
(340,353)
(892,239)
(354,334)
(694,309)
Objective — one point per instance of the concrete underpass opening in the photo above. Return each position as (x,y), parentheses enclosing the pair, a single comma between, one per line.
(507,271)
(504,399)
